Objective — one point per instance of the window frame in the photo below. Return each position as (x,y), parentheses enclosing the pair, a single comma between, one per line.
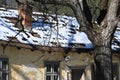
(4,68)
(52,73)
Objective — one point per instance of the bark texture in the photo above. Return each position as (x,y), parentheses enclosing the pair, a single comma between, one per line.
(103,58)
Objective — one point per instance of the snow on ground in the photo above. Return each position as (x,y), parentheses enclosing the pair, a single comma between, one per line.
(62,32)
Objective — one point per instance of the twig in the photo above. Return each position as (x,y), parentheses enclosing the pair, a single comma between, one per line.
(20,19)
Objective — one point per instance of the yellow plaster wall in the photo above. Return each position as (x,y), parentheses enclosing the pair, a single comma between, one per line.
(25,64)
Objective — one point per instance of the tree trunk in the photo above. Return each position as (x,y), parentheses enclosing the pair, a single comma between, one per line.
(103,58)
(101,36)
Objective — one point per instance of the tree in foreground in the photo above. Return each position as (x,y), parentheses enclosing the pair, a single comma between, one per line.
(99,20)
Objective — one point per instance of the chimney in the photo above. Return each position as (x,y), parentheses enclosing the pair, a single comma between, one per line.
(25,11)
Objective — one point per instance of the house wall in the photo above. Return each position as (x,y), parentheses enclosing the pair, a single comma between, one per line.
(25,64)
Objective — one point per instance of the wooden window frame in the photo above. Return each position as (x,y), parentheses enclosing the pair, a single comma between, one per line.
(4,69)
(51,65)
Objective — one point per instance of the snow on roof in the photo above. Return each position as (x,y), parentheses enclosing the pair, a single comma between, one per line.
(63,32)
(116,40)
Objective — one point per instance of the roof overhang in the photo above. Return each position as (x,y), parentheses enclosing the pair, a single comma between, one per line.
(50,49)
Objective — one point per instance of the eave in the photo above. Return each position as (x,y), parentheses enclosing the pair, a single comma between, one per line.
(49,49)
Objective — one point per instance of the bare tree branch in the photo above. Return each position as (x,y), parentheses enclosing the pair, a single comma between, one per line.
(111,18)
(60,2)
(112,11)
(118,24)
(82,20)
(77,9)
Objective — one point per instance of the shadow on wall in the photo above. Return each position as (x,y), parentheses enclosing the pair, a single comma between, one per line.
(26,72)
(19,72)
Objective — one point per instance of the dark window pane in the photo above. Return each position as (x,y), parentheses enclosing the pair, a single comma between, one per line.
(4,76)
(49,68)
(4,65)
(0,75)
(48,78)
(56,68)
(55,77)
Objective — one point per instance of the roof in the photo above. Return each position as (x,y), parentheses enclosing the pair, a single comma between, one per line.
(48,32)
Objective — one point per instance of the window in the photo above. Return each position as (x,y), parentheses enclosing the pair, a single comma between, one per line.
(77,73)
(52,70)
(4,70)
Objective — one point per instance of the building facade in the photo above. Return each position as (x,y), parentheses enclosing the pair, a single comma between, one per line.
(42,58)
(25,64)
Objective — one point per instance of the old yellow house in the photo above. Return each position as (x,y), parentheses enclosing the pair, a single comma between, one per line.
(47,53)
(24,64)
(20,63)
